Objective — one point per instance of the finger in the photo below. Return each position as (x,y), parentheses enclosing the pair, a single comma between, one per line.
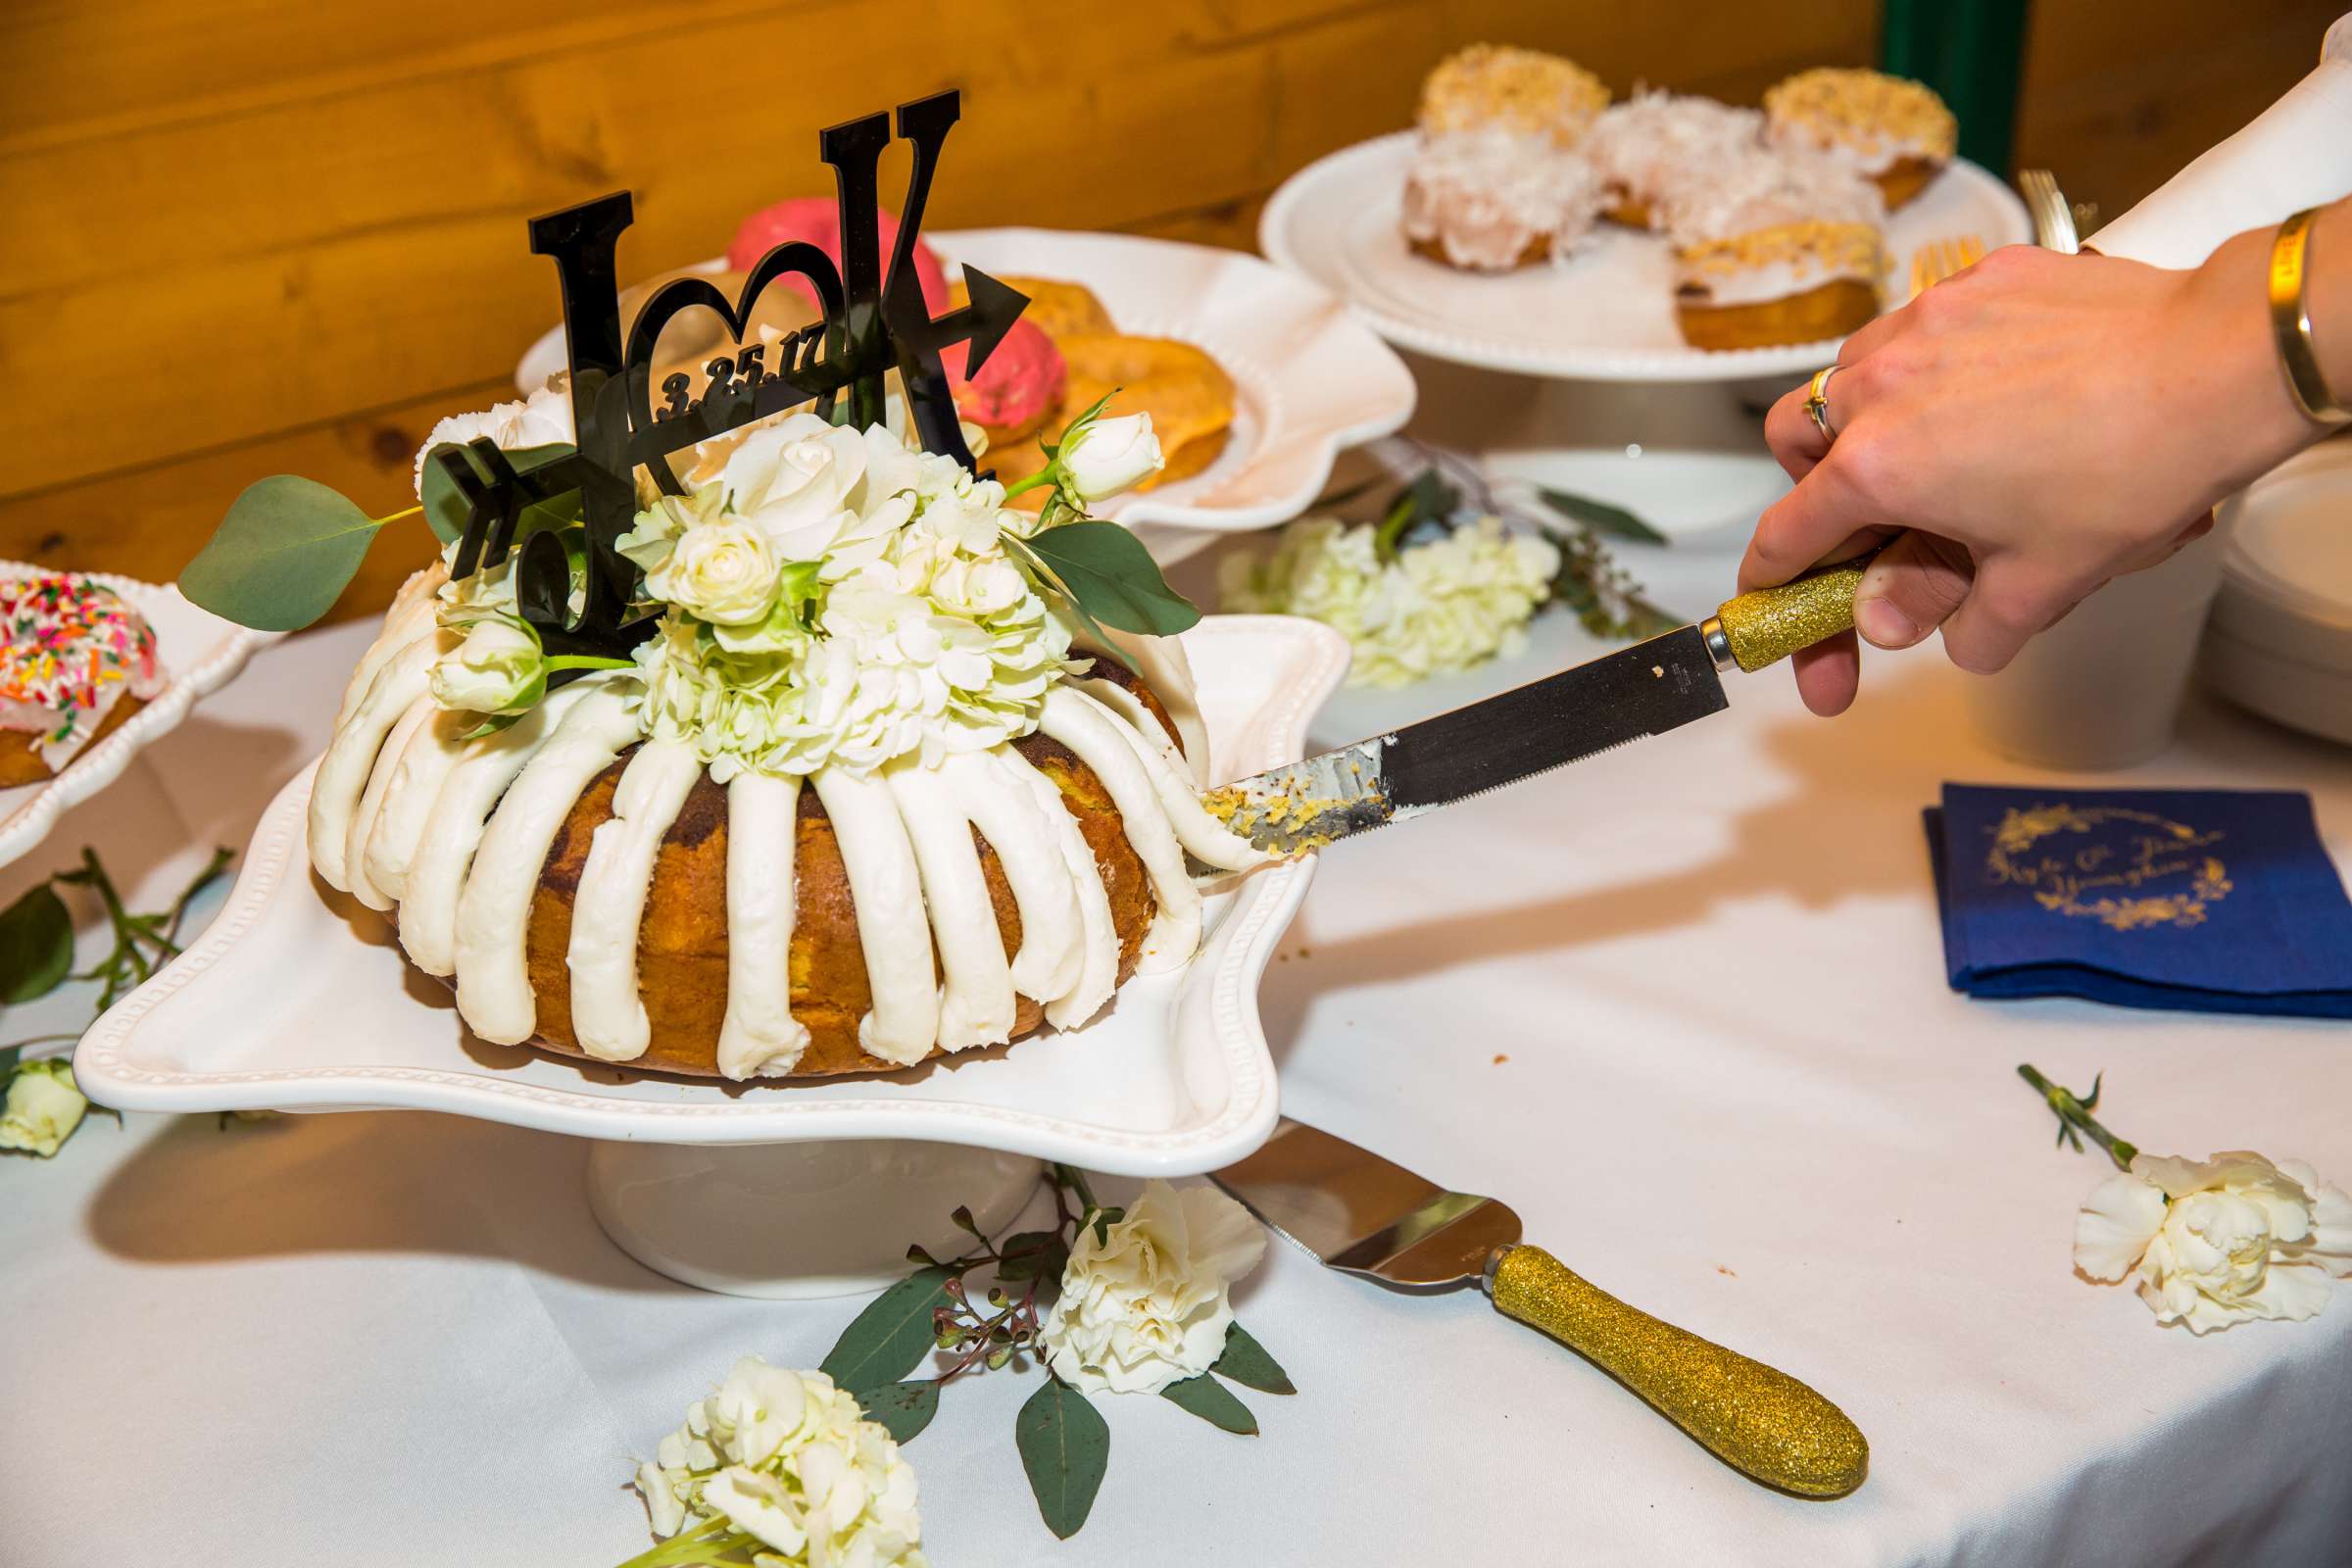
(2005,608)
(1819,520)
(1797,444)
(1829,674)
(1911,588)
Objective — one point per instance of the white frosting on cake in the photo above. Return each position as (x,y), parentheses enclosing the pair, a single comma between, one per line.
(608,1016)
(1484,197)
(1087,730)
(887,888)
(1761,188)
(758,1038)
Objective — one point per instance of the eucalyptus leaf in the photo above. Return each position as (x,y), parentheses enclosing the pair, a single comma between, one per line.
(1247,1362)
(287,548)
(36,945)
(1102,639)
(892,1335)
(1113,579)
(445,508)
(1214,1403)
(1600,516)
(902,1408)
(1066,1448)
(1033,1255)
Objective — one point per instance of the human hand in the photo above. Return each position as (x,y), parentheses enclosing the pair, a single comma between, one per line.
(2017,436)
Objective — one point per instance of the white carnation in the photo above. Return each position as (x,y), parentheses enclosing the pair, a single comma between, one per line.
(44,1106)
(1151,1304)
(542,419)
(2215,1243)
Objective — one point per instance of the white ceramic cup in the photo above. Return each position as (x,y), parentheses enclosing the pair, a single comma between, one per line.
(2102,689)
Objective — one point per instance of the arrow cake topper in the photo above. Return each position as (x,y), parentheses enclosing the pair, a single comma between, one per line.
(872,323)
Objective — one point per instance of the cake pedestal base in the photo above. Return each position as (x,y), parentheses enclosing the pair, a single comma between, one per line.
(798,1219)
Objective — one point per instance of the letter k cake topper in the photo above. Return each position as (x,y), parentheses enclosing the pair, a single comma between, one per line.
(873,321)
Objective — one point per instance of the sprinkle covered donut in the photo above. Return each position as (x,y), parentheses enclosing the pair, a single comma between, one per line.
(78,660)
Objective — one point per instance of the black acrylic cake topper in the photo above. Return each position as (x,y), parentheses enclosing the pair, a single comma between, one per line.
(872,323)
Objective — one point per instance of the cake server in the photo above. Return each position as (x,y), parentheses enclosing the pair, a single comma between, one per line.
(1629,694)
(1357,1212)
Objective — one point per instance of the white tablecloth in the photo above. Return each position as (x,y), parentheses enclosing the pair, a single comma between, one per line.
(1683,1005)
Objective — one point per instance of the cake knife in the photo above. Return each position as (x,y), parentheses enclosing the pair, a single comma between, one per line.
(1359,1213)
(1629,694)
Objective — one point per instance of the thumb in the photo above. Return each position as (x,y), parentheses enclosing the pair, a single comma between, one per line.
(1911,588)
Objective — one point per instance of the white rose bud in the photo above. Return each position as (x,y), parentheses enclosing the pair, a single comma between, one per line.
(722,571)
(1149,1305)
(2215,1243)
(44,1106)
(499,668)
(1109,456)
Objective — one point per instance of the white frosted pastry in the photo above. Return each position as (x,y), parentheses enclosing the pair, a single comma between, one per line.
(1656,143)
(1488,201)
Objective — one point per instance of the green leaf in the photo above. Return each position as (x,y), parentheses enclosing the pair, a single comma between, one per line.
(1247,1362)
(36,945)
(445,508)
(904,1409)
(1033,1255)
(1045,584)
(286,549)
(1113,579)
(1427,499)
(1600,516)
(1065,1447)
(1214,1403)
(892,1335)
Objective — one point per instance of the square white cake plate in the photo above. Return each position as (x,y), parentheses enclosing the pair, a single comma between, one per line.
(200,654)
(298,1000)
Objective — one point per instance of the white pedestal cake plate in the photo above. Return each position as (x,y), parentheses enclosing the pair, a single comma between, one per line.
(299,1000)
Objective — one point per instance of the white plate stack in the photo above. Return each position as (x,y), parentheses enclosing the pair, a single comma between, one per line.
(2280,640)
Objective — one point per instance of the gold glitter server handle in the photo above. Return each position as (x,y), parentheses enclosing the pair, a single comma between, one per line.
(1754,1417)
(1767,625)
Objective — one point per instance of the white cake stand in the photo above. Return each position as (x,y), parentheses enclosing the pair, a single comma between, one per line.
(298,1000)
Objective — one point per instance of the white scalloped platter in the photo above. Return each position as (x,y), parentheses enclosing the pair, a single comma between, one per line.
(1310,380)
(200,651)
(298,1000)
(1604,314)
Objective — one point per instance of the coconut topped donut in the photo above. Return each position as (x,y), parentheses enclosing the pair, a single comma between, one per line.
(1659,142)
(1488,201)
(1758,188)
(1522,91)
(76,650)
(1865,119)
(860,798)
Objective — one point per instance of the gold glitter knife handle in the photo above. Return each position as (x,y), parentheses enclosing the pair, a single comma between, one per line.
(1767,625)
(1754,1418)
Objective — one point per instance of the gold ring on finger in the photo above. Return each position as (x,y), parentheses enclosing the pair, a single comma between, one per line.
(1817,403)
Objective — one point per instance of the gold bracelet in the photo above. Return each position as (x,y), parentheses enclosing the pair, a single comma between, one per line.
(2290,323)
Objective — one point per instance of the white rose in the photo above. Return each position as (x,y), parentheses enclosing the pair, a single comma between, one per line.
(44,1106)
(1151,1304)
(1109,456)
(797,481)
(542,419)
(2220,1242)
(722,571)
(499,667)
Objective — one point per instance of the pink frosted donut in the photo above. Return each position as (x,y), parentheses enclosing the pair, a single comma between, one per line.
(1021,383)
(816,220)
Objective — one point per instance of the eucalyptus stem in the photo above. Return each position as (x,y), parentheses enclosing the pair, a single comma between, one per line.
(1022,487)
(397,516)
(1075,1179)
(715,1535)
(2074,1116)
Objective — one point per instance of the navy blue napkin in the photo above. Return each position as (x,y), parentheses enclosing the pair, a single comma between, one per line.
(2203,900)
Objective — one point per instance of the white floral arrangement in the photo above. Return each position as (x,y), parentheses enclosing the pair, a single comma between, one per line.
(1444,580)
(1120,1301)
(2208,1244)
(825,596)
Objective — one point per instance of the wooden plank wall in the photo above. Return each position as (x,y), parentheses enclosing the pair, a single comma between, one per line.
(254,236)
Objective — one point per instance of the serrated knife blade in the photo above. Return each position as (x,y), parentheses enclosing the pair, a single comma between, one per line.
(1629,694)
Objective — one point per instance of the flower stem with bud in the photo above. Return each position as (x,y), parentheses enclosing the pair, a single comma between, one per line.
(2075,1118)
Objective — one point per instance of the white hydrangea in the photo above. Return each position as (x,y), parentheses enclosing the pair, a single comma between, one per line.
(1438,608)
(910,633)
(790,1460)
